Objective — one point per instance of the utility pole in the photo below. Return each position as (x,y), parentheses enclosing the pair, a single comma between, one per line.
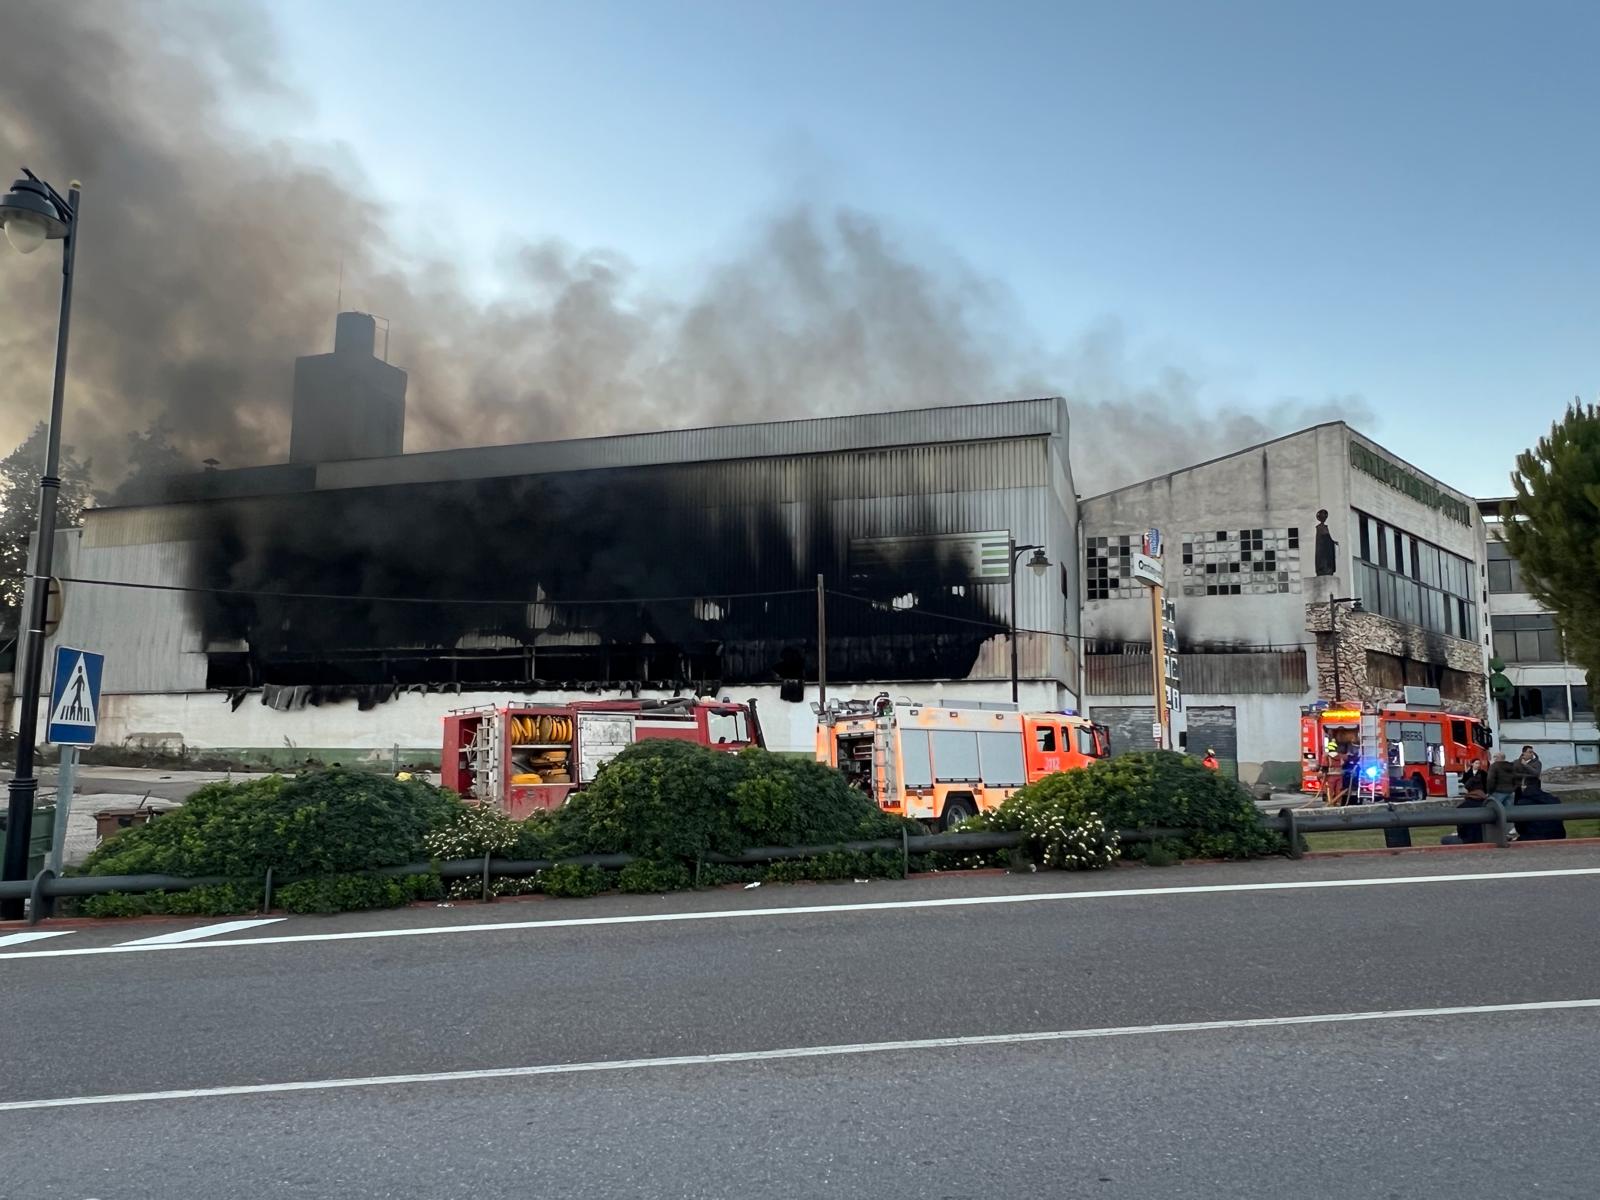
(31,213)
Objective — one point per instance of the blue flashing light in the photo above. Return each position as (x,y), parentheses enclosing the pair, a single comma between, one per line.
(1372,771)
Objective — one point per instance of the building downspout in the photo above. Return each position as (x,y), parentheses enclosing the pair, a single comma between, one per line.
(1077,648)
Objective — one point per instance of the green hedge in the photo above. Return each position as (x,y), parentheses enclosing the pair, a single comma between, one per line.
(321,834)
(667,803)
(322,823)
(1065,831)
(1159,789)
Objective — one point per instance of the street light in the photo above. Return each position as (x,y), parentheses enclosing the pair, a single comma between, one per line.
(1040,565)
(1333,625)
(32,213)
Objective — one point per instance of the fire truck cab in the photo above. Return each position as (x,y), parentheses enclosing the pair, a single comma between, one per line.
(943,764)
(1355,753)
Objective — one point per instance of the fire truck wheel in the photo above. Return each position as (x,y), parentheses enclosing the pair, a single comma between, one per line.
(957,809)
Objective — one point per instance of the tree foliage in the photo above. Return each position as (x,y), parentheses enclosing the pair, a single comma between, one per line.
(19,490)
(152,459)
(1553,529)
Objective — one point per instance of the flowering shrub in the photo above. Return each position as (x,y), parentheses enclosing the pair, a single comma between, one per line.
(472,831)
(1157,789)
(1063,832)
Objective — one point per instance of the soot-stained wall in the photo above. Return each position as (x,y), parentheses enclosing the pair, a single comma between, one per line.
(619,539)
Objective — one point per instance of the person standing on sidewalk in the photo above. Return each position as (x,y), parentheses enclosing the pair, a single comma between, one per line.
(1527,770)
(1474,778)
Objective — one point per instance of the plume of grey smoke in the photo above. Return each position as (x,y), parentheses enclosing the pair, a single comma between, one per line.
(209,258)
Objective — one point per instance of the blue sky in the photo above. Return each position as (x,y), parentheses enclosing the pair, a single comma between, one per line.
(1290,200)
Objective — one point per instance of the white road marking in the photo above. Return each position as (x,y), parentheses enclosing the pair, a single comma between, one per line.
(1209,889)
(203,931)
(33,935)
(750,1056)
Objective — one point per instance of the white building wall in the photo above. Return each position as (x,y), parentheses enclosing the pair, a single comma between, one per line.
(413,723)
(1558,743)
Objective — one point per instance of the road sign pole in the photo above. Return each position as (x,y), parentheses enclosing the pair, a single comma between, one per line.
(66,778)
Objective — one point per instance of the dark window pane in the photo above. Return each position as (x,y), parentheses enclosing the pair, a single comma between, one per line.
(1505,645)
(1580,701)
(1555,703)
(1549,645)
(1500,577)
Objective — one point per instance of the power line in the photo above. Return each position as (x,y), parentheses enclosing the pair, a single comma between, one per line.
(447,600)
(713,597)
(1002,627)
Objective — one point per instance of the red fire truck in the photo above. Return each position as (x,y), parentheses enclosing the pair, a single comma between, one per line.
(529,757)
(1359,753)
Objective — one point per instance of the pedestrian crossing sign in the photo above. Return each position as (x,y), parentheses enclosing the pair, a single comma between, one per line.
(75,697)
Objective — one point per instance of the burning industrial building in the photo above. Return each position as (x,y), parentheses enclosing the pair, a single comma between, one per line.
(262,607)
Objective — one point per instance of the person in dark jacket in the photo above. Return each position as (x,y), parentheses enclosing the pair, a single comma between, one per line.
(1472,835)
(1502,781)
(1527,770)
(1475,778)
(1532,796)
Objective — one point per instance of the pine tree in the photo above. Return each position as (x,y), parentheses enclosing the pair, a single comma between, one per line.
(1553,529)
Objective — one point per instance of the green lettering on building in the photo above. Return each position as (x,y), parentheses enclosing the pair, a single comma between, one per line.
(1409,482)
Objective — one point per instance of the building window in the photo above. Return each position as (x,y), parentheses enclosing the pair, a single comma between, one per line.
(1108,568)
(1528,638)
(1402,577)
(1580,702)
(1535,703)
(1505,572)
(1240,562)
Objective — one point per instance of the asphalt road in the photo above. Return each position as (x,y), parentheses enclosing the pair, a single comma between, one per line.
(1486,1103)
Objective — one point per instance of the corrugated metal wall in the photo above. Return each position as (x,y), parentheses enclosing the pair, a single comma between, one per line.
(150,638)
(1130,727)
(1215,727)
(766,520)
(1278,672)
(774,439)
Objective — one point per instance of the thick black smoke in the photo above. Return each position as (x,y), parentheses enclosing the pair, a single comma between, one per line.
(209,262)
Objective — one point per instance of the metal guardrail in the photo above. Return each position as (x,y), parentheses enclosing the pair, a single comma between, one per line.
(47,887)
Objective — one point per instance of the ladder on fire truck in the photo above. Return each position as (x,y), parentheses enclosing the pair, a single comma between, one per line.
(483,759)
(1369,783)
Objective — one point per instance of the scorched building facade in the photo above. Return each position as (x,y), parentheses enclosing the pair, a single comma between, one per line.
(342,607)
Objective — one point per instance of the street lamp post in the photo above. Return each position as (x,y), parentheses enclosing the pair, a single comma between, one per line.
(1040,565)
(1333,626)
(32,213)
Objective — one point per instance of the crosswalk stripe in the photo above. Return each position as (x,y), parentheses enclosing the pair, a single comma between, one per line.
(203,931)
(33,935)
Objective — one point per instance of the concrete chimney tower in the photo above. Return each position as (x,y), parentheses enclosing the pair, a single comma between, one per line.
(348,404)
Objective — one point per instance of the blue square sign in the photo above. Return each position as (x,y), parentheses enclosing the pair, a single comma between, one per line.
(75,698)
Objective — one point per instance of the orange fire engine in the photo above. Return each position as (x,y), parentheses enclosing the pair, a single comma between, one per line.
(1399,751)
(945,764)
